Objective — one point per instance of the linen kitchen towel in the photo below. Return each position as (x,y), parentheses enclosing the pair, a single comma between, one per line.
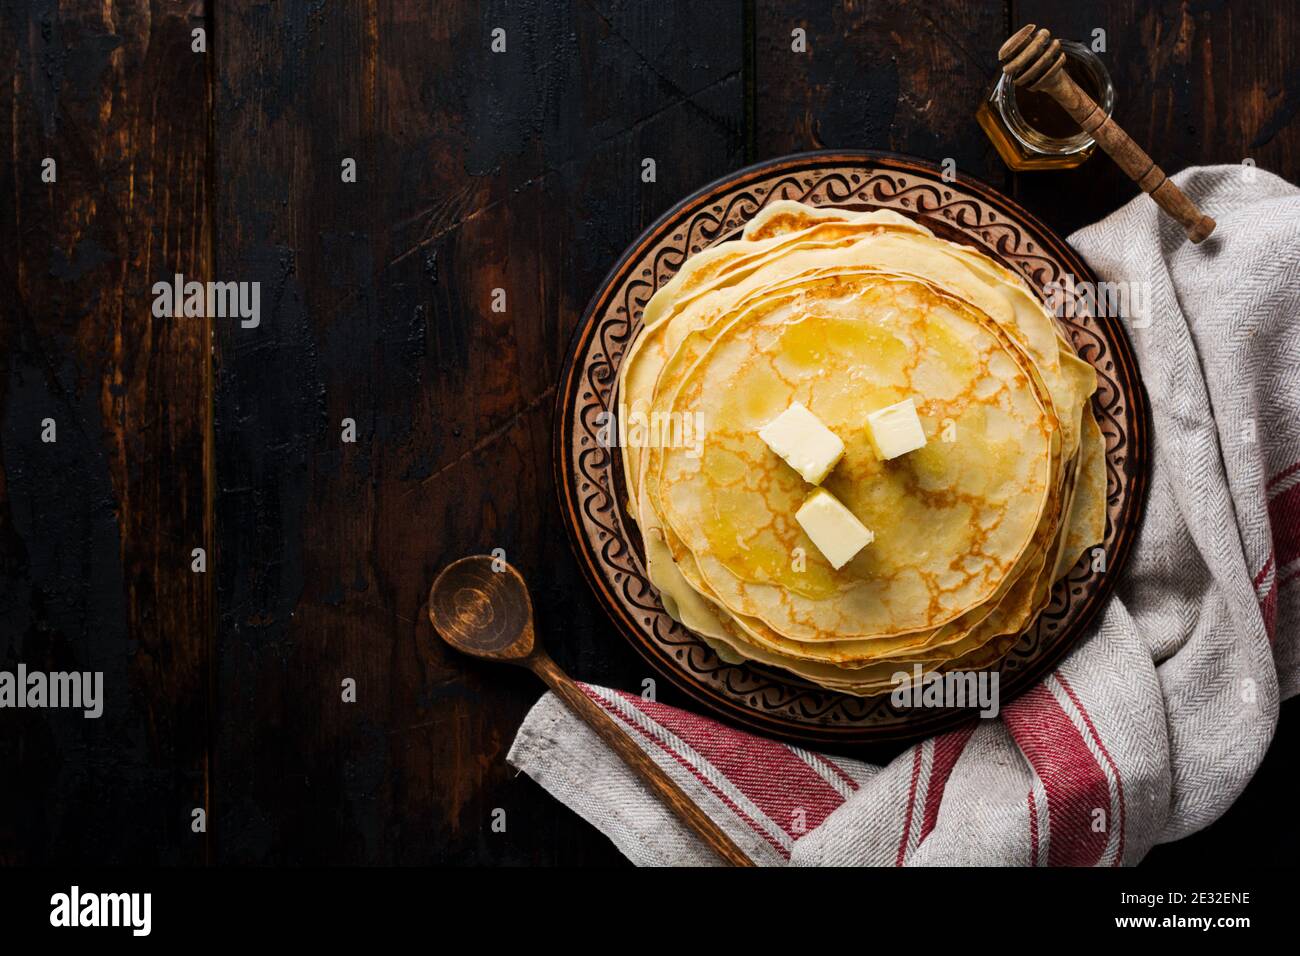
(1158,718)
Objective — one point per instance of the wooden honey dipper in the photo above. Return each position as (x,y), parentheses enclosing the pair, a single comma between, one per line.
(1032,59)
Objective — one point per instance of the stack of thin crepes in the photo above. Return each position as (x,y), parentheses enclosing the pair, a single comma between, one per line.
(846,313)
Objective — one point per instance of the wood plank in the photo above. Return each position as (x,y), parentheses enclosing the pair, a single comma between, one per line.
(477,171)
(1195,84)
(96,529)
(896,75)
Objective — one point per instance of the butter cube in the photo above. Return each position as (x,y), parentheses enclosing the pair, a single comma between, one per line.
(895,430)
(807,446)
(836,530)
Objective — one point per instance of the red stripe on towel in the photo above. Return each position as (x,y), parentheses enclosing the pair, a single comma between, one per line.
(1283,474)
(1263,572)
(782,785)
(1284,516)
(1073,780)
(694,772)
(836,769)
(1110,762)
(947,749)
(911,804)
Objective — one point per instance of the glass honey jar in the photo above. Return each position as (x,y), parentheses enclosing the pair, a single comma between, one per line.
(1031,130)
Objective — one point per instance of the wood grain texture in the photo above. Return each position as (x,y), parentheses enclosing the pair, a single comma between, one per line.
(96,529)
(1197,83)
(896,75)
(1037,63)
(480,606)
(476,171)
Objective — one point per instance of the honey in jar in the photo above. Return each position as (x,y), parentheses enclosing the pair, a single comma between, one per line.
(1031,130)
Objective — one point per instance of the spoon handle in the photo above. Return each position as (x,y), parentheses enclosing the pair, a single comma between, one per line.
(1129,156)
(651,774)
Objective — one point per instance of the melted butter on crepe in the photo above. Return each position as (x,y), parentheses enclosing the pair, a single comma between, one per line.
(847,312)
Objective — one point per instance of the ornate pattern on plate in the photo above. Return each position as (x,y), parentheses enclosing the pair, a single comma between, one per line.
(590,478)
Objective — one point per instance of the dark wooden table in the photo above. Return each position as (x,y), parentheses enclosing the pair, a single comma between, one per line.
(476,171)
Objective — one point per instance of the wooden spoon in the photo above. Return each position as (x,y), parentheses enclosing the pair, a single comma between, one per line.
(487,613)
(1035,61)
